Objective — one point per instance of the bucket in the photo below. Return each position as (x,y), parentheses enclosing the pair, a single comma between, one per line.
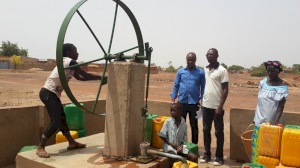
(246,139)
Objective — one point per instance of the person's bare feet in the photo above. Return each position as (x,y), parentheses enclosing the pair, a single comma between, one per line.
(76,145)
(41,152)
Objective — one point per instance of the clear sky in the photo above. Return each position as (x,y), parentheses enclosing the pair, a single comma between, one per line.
(246,32)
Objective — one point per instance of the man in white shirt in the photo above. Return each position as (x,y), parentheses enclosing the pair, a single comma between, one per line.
(215,95)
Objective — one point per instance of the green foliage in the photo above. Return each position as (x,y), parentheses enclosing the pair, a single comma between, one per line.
(178,68)
(16,60)
(9,49)
(296,68)
(235,68)
(224,65)
(258,71)
(171,68)
(23,52)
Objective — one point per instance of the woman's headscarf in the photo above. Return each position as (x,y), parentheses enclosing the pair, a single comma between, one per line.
(274,65)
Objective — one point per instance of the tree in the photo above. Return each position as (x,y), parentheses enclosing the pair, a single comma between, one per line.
(224,65)
(9,49)
(296,68)
(235,68)
(23,52)
(258,71)
(16,60)
(171,68)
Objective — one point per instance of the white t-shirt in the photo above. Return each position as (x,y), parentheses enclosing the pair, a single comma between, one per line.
(213,86)
(53,83)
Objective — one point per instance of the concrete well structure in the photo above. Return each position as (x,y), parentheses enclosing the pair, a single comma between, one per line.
(125,99)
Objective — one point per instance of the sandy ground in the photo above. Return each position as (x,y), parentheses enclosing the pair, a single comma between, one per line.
(21,88)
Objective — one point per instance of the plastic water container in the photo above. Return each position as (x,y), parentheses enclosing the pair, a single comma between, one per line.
(290,146)
(270,140)
(75,117)
(284,166)
(81,133)
(192,147)
(269,162)
(253,165)
(191,164)
(149,125)
(158,122)
(61,138)
(28,148)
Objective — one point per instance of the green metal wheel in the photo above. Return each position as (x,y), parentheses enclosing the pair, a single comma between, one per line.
(107,56)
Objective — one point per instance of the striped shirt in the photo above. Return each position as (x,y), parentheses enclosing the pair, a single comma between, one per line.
(175,135)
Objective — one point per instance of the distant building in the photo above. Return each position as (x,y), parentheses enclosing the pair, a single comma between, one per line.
(100,68)
(5,62)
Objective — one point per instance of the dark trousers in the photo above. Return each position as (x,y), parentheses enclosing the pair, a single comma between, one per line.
(55,111)
(208,118)
(191,110)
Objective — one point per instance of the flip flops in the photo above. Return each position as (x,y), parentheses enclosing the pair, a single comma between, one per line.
(76,146)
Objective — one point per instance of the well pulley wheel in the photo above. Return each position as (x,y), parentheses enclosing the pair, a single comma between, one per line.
(144,51)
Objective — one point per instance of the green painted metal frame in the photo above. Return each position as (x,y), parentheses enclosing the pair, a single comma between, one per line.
(107,56)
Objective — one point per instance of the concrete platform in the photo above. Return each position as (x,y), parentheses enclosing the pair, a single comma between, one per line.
(91,156)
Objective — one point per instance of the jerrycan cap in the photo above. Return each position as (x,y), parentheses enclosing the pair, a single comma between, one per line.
(280,125)
(246,166)
(158,119)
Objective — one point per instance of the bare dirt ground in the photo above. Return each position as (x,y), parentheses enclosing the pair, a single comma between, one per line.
(21,88)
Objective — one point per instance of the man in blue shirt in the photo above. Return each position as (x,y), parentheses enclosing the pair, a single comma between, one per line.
(189,88)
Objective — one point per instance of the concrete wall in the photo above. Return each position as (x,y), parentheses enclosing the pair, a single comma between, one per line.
(5,65)
(28,63)
(45,67)
(19,126)
(240,119)
(23,126)
(29,60)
